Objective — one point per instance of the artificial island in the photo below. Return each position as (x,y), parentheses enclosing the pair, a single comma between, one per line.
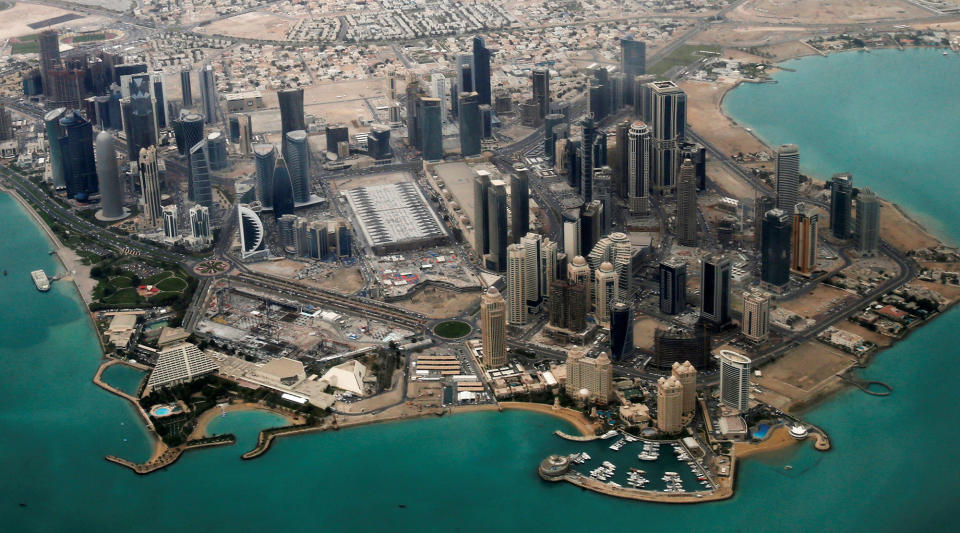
(353,213)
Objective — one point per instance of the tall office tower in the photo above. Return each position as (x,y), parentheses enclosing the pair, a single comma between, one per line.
(208,94)
(604,291)
(638,168)
(673,286)
(6,124)
(298,157)
(186,89)
(803,257)
(788,177)
(283,190)
(245,134)
(578,273)
(593,374)
(669,405)
(453,97)
(541,90)
(111,191)
(159,93)
(669,119)
(755,321)
(549,259)
(191,128)
(841,200)
(497,226)
(171,229)
(586,159)
(66,86)
(470,124)
(200,224)
(643,96)
(734,380)
(481,214)
(761,205)
(486,121)
(481,70)
(54,132)
(618,91)
(516,285)
(77,160)
(49,43)
(265,160)
(217,150)
(200,175)
(697,154)
(621,164)
(519,204)
(867,223)
(286,227)
(616,249)
(253,236)
(715,290)
(687,205)
(686,374)
(532,244)
(336,134)
(150,186)
(493,328)
(602,178)
(591,225)
(633,63)
(440,91)
(431,128)
(108,113)
(465,73)
(549,136)
(775,250)
(378,143)
(571,233)
(413,92)
(621,331)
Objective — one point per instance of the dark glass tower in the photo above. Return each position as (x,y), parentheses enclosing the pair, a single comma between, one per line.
(519,204)
(481,70)
(715,290)
(633,63)
(298,156)
(76,157)
(199,184)
(541,90)
(621,331)
(470,124)
(497,226)
(673,286)
(265,159)
(186,89)
(775,249)
(431,128)
(586,160)
(282,190)
(291,111)
(841,196)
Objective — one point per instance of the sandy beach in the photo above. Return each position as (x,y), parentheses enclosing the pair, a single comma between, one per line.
(200,431)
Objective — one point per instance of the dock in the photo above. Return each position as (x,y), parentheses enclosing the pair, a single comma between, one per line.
(171,455)
(98,381)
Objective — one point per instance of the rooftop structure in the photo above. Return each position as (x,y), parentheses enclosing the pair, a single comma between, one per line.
(395,217)
(180,364)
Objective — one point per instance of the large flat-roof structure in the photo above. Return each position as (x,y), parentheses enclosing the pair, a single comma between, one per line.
(395,217)
(180,364)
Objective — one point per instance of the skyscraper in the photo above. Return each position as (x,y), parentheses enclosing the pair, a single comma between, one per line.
(673,286)
(516,285)
(550,137)
(638,168)
(604,291)
(633,63)
(481,214)
(77,160)
(841,200)
(49,43)
(734,380)
(803,257)
(159,94)
(253,236)
(715,290)
(265,160)
(54,132)
(111,191)
(519,204)
(493,328)
(755,321)
(867,223)
(532,244)
(413,93)
(621,331)
(669,405)
(616,249)
(186,90)
(208,94)
(686,374)
(788,177)
(298,164)
(775,250)
(430,121)
(150,186)
(481,70)
(760,208)
(593,374)
(470,125)
(6,124)
(669,118)
(586,159)
(541,90)
(497,226)
(378,143)
(283,192)
(200,175)
(217,150)
(440,91)
(571,233)
(171,228)
(687,215)
(200,224)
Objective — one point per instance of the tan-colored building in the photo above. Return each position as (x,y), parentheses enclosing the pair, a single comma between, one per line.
(493,328)
(803,257)
(755,321)
(516,285)
(669,405)
(686,374)
(578,273)
(594,375)
(605,291)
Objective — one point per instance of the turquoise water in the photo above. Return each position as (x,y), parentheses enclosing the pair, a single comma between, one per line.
(124,378)
(891,118)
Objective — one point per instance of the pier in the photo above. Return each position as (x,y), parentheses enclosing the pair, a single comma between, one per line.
(266,437)
(98,381)
(171,455)
(865,385)
(576,438)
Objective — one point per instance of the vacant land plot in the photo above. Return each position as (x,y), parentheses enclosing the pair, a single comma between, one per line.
(817,301)
(824,11)
(252,25)
(804,368)
(436,302)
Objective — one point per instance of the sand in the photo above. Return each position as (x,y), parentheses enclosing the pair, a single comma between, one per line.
(200,431)
(824,11)
(254,25)
(583,425)
(437,302)
(778,439)
(901,231)
(816,301)
(706,117)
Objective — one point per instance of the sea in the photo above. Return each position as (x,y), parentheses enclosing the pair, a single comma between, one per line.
(890,468)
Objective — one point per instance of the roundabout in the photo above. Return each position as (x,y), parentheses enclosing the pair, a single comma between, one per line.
(211,267)
(452,329)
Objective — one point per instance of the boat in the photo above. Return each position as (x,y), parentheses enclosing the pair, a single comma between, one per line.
(944,52)
(609,434)
(40,280)
(673,474)
(4,272)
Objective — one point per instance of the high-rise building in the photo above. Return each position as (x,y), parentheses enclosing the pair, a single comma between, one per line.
(291,111)
(715,290)
(549,136)
(190,126)
(633,63)
(541,90)
(497,226)
(734,380)
(470,124)
(638,168)
(217,150)
(200,175)
(755,321)
(571,233)
(413,93)
(481,214)
(298,164)
(111,191)
(616,249)
(150,186)
(378,143)
(253,236)
(602,183)
(200,224)
(159,94)
(803,257)
(336,134)
(841,200)
(186,90)
(697,154)
(687,215)
(591,225)
(283,192)
(532,244)
(669,405)
(440,91)
(621,331)
(481,70)
(6,124)
(429,119)
(49,43)
(208,94)
(674,344)
(265,160)
(77,160)
(54,132)
(586,159)
(686,374)
(493,328)
(516,285)
(549,266)
(867,223)
(593,374)
(775,250)
(519,204)
(465,73)
(171,228)
(578,273)
(673,286)
(760,208)
(788,177)
(668,118)
(604,292)
(286,227)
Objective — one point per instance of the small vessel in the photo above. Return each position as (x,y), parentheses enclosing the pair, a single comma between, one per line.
(788,467)
(40,280)
(4,272)
(944,52)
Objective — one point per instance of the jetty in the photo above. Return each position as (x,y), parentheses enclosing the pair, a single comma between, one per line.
(171,455)
(98,381)
(865,385)
(576,438)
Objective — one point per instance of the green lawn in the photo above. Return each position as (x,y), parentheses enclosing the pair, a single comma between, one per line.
(682,56)
(89,37)
(452,329)
(126,296)
(155,280)
(172,284)
(121,281)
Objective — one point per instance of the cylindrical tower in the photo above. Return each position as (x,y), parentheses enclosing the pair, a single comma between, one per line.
(111,192)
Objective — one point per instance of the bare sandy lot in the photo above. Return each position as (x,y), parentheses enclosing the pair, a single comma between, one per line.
(803,368)
(824,11)
(436,302)
(13,21)
(253,25)
(758,35)
(643,330)
(902,232)
(816,301)
(705,116)
(344,280)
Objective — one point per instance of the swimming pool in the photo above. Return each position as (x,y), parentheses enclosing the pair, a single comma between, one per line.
(162,411)
(761,431)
